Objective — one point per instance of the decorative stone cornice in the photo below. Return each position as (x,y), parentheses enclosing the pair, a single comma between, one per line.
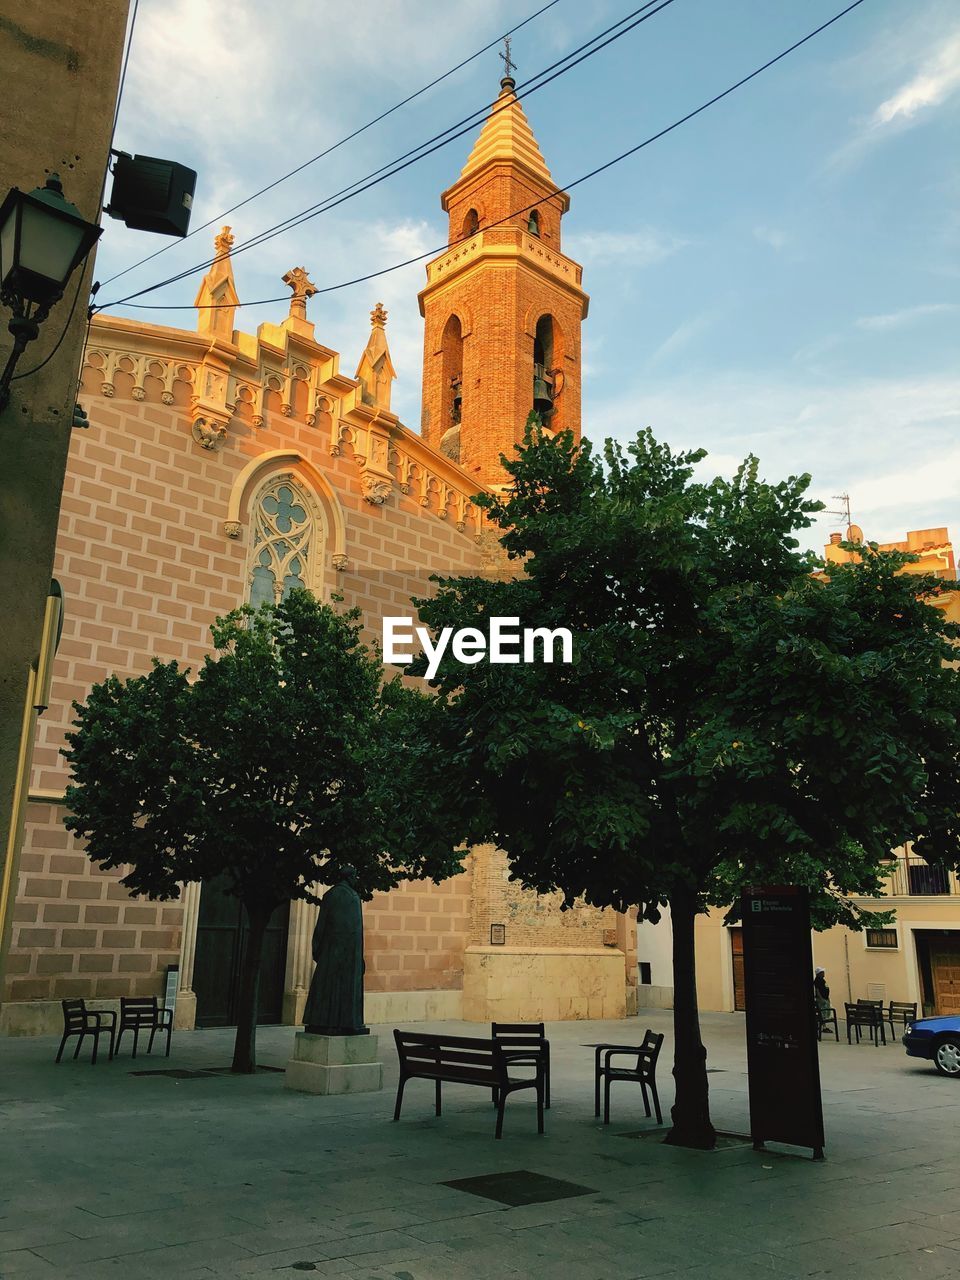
(500,245)
(212,377)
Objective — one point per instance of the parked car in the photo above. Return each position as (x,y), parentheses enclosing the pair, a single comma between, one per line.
(937,1039)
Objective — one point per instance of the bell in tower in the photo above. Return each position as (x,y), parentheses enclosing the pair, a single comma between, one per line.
(543,376)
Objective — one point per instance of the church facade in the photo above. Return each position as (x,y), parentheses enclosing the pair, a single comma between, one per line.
(224,467)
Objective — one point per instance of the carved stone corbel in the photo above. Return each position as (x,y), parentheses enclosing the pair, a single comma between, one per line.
(208,431)
(211,412)
(375,489)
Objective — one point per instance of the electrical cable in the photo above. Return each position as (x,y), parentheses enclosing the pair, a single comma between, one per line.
(373,275)
(373,180)
(323,154)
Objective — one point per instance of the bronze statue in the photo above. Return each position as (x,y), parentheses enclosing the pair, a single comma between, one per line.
(335,1002)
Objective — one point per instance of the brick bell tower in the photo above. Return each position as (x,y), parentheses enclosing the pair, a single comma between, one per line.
(502,305)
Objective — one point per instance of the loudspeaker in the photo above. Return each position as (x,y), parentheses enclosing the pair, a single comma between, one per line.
(152,195)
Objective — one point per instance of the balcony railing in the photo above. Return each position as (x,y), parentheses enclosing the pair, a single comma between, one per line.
(913,878)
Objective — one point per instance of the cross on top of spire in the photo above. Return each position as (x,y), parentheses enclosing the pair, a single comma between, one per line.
(509,65)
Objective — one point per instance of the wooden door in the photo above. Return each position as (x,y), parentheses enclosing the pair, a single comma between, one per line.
(222,934)
(736,947)
(945,968)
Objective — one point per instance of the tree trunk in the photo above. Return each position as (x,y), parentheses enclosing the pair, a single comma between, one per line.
(245,1046)
(691,1110)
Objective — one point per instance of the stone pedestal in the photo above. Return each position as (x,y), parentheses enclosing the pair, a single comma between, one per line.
(334,1064)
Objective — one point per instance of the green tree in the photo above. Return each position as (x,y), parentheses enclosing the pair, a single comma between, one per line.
(729,717)
(283,758)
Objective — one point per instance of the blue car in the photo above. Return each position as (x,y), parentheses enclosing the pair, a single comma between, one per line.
(937,1039)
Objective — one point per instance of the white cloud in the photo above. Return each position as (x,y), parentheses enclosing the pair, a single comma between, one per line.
(907,316)
(634,249)
(681,338)
(937,80)
(771,236)
(890,443)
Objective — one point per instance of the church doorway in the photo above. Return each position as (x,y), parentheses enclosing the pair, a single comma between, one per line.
(222,934)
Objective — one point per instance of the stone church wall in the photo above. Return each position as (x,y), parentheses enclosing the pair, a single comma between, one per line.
(146,565)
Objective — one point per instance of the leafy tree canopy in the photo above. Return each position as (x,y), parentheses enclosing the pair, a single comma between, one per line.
(730,717)
(284,758)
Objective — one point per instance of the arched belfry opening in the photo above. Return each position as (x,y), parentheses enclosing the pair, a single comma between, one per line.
(452,363)
(544,370)
(471,223)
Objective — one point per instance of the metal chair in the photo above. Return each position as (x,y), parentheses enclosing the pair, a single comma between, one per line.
(827,1016)
(902,1011)
(526,1044)
(80,1021)
(881,1013)
(643,1073)
(142,1013)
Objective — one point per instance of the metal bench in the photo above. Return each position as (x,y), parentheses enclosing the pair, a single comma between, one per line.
(142,1013)
(463,1060)
(80,1021)
(865,1014)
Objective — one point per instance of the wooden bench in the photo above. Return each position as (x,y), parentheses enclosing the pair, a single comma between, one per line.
(463,1060)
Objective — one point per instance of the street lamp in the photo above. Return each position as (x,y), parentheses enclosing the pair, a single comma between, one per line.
(43,239)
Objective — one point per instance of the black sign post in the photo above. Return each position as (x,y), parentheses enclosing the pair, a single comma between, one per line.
(782,1066)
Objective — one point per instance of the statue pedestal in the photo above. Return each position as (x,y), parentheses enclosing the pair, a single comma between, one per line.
(334,1064)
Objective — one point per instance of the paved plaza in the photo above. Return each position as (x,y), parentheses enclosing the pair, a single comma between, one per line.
(108,1174)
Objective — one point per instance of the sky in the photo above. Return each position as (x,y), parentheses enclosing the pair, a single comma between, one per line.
(779,276)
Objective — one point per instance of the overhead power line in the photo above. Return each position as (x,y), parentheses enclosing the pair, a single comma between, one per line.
(333,147)
(642,14)
(609,164)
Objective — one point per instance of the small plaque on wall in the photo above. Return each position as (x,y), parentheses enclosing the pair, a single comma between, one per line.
(498,935)
(170,986)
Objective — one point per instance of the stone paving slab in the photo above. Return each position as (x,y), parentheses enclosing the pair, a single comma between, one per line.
(104,1174)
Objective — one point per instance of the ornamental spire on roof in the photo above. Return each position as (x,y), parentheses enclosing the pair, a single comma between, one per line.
(216,299)
(375,370)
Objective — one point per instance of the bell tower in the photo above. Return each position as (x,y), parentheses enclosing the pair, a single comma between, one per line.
(502,305)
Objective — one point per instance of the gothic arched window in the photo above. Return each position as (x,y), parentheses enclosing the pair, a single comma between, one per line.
(285,535)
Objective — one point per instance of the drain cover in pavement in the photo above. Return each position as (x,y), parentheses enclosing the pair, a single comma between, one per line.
(228,1071)
(204,1073)
(175,1073)
(724,1140)
(519,1187)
